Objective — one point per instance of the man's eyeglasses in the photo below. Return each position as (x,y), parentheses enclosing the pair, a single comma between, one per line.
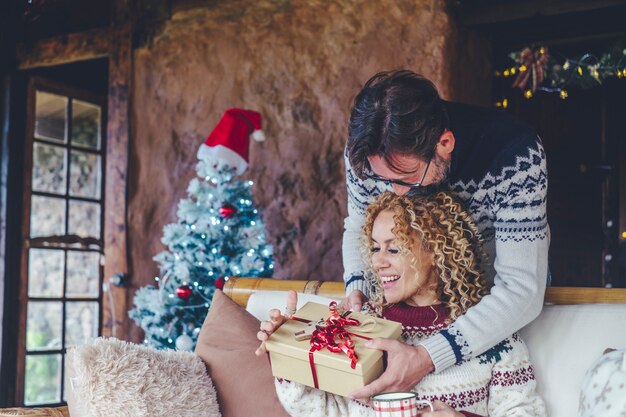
(402,183)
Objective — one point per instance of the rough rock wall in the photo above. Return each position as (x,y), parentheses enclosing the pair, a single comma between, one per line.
(298,63)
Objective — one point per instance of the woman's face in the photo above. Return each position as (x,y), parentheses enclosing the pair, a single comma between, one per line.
(400,279)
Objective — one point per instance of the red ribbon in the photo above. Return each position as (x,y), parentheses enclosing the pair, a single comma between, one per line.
(325,337)
(534,60)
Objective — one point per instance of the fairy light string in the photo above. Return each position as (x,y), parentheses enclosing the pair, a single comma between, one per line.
(536,69)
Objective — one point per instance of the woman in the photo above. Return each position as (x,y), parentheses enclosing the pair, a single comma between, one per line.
(425,258)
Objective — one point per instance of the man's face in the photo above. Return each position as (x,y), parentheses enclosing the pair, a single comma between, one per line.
(412,169)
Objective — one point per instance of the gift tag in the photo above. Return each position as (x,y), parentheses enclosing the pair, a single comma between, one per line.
(307,332)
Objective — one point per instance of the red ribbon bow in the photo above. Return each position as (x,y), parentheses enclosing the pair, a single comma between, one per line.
(535,61)
(325,337)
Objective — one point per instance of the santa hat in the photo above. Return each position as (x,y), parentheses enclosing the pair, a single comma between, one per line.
(228,142)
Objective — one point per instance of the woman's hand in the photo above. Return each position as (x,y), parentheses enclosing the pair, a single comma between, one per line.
(441,410)
(276,320)
(354,301)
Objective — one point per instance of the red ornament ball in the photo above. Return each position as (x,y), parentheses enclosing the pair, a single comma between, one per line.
(219,283)
(184,292)
(227,211)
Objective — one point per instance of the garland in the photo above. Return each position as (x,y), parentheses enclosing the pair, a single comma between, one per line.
(534,69)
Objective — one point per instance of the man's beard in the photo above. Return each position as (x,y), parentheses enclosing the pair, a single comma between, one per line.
(442,169)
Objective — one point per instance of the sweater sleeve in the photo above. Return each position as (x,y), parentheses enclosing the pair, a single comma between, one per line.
(302,401)
(512,390)
(360,195)
(517,198)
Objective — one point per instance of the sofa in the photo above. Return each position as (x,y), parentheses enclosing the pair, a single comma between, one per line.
(223,378)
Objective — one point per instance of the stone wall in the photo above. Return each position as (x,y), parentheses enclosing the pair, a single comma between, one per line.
(300,65)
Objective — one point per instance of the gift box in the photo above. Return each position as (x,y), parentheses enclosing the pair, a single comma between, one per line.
(330,363)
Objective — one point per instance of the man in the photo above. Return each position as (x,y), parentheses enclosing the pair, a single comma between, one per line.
(404,137)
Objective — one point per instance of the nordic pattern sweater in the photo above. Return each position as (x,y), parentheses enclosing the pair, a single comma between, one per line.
(498,169)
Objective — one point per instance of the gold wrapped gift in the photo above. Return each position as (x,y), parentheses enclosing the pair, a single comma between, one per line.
(293,357)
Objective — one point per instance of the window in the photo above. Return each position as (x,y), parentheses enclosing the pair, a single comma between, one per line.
(63,235)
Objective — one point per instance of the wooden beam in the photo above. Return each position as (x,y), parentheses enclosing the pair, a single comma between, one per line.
(240,289)
(584,295)
(504,11)
(115,314)
(64,49)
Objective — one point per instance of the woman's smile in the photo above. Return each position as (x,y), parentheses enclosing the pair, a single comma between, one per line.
(389,280)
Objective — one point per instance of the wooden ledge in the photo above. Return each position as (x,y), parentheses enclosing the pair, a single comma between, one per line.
(239,290)
(585,295)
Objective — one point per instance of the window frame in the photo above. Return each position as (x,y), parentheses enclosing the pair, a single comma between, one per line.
(65,242)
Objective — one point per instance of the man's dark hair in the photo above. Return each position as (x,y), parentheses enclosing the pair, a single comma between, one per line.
(396,112)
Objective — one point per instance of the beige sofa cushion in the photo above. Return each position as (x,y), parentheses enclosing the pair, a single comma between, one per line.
(564,342)
(226,343)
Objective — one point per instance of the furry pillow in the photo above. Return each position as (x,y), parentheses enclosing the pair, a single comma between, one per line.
(244,381)
(109,377)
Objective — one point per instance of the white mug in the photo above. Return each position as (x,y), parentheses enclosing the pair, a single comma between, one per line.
(398,404)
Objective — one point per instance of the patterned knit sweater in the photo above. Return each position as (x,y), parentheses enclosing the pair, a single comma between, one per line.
(498,383)
(498,169)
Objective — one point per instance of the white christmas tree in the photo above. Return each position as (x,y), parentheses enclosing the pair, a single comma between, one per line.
(219,234)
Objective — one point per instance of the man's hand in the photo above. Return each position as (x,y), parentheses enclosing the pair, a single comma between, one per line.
(406,366)
(354,301)
(441,410)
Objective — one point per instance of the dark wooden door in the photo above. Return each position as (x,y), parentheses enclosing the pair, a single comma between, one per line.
(583,136)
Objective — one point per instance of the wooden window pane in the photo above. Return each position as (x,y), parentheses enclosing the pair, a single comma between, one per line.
(85,125)
(50,116)
(43,379)
(45,273)
(85,175)
(84,219)
(63,275)
(43,325)
(83,274)
(81,322)
(49,169)
(47,216)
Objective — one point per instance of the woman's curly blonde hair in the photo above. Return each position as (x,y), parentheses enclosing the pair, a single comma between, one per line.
(444,229)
